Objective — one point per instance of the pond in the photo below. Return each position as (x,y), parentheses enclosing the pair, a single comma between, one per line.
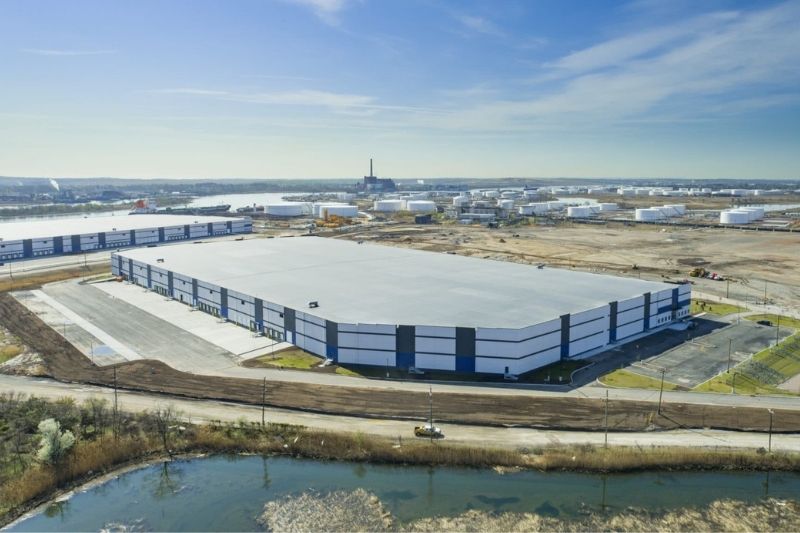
(229,492)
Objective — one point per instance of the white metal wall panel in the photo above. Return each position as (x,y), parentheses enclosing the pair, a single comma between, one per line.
(589,343)
(89,241)
(630,315)
(591,314)
(219,228)
(117,238)
(435,362)
(435,345)
(589,328)
(209,292)
(11,250)
(624,305)
(310,344)
(630,329)
(517,349)
(198,230)
(174,233)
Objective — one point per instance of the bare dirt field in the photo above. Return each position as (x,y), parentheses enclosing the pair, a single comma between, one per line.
(66,363)
(747,258)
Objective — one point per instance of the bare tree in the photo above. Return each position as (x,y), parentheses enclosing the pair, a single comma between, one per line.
(165,418)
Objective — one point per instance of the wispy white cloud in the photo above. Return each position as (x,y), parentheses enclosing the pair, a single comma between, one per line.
(690,68)
(353,104)
(328,11)
(54,52)
(479,24)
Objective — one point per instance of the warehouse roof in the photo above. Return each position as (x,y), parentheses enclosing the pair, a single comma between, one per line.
(37,229)
(375,284)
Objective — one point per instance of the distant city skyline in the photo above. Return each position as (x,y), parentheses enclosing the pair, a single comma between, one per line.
(314,88)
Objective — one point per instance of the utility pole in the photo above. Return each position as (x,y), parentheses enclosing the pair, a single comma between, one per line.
(263,403)
(661,392)
(769,446)
(605,424)
(730,344)
(733,385)
(727,288)
(765,294)
(778,329)
(116,406)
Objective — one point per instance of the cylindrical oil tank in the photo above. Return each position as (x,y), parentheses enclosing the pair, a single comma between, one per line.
(534,209)
(508,194)
(491,194)
(756,213)
(608,207)
(505,204)
(387,206)
(555,206)
(285,209)
(347,211)
(421,206)
(734,217)
(678,210)
(459,201)
(579,211)
(649,214)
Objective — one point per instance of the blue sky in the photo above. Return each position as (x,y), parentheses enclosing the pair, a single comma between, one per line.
(313,88)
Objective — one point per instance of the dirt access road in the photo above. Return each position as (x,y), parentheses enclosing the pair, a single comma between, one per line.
(65,363)
(203,411)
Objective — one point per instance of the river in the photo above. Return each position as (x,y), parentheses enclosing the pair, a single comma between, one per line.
(228,493)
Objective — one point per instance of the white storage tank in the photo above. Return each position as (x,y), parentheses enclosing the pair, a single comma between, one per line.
(347,211)
(734,217)
(534,209)
(756,213)
(678,210)
(459,201)
(508,194)
(491,194)
(555,206)
(579,211)
(505,204)
(284,209)
(608,207)
(421,206)
(345,196)
(388,206)
(649,214)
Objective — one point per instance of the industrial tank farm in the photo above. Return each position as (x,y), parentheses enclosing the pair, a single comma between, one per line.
(376,305)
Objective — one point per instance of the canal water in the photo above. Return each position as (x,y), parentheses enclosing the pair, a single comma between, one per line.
(229,492)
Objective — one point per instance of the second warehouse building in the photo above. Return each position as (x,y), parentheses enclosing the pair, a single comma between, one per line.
(378,305)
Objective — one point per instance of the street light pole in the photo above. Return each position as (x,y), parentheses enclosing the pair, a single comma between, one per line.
(733,386)
(769,446)
(730,344)
(661,392)
(606,422)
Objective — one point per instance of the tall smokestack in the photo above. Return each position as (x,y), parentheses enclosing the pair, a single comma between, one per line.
(370,166)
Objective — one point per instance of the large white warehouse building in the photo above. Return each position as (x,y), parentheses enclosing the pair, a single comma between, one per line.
(378,305)
(26,240)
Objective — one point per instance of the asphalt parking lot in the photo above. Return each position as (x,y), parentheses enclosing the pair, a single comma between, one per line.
(704,356)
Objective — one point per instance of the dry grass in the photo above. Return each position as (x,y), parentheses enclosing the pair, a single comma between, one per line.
(32,281)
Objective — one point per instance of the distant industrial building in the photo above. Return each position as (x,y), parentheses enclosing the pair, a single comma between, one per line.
(373,183)
(377,305)
(28,240)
